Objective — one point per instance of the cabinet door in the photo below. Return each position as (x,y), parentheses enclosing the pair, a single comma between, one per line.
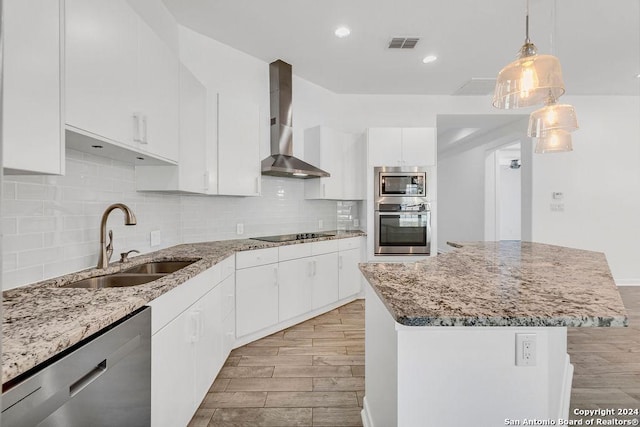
(33,139)
(193,138)
(256,298)
(325,280)
(173,373)
(353,167)
(385,146)
(331,161)
(418,146)
(209,347)
(350,278)
(101,62)
(294,284)
(238,148)
(158,98)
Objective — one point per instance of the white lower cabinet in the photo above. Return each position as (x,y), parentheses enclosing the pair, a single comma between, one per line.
(189,343)
(256,298)
(350,278)
(324,281)
(294,287)
(172,373)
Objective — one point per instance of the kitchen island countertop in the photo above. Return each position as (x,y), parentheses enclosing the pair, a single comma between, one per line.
(42,319)
(508,283)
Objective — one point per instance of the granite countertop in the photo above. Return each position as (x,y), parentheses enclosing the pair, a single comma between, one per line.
(42,319)
(501,284)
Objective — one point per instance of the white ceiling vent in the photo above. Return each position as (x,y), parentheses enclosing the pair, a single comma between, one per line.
(476,86)
(403,42)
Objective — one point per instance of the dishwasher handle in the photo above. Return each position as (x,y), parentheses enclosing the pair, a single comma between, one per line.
(87,379)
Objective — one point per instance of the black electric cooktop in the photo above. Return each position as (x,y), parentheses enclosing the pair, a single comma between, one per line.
(292,237)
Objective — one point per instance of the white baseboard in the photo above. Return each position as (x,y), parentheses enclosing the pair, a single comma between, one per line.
(364,414)
(246,339)
(628,283)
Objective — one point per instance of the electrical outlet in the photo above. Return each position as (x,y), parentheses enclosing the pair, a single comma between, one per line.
(155,238)
(320,224)
(356,223)
(526,350)
(239,228)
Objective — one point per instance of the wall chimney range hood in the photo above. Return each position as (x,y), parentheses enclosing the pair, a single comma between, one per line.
(281,161)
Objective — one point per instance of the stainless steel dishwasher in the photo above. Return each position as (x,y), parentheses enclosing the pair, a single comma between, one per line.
(102,381)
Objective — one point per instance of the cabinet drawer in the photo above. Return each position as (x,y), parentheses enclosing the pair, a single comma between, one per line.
(324,247)
(289,252)
(256,257)
(227,267)
(346,244)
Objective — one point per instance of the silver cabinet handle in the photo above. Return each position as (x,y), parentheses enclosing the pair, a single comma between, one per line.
(144,130)
(136,127)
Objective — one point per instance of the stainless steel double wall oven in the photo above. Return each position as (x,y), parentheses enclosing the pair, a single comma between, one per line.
(402,213)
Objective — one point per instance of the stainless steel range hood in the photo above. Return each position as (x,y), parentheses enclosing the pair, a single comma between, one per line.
(281,161)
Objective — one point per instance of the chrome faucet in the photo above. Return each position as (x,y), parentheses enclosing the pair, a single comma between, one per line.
(107,250)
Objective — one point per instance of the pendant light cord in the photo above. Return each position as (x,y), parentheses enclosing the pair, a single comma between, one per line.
(527,40)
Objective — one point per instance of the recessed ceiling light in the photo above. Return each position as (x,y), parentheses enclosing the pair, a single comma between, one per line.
(342,32)
(429,58)
(638,76)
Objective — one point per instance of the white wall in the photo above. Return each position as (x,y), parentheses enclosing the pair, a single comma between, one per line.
(461,197)
(600,180)
(509,188)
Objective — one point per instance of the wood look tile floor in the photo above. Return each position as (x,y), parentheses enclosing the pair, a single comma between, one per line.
(606,363)
(312,374)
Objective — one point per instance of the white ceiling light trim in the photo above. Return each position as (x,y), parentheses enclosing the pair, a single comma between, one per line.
(342,32)
(429,59)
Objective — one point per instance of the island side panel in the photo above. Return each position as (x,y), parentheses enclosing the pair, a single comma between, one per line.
(452,376)
(381,362)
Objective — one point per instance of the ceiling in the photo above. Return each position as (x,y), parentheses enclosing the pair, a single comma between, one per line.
(597,41)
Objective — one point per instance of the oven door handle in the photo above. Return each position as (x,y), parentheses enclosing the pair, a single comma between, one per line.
(382,213)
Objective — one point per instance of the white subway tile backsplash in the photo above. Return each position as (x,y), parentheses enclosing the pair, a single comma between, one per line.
(27,191)
(9,262)
(51,224)
(35,224)
(19,277)
(8,191)
(9,226)
(38,257)
(23,242)
(16,208)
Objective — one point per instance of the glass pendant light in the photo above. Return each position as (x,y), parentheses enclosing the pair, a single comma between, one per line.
(554,141)
(529,79)
(552,116)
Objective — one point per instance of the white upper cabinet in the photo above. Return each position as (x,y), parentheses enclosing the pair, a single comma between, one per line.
(402,146)
(191,174)
(101,66)
(239,169)
(158,94)
(343,156)
(121,80)
(32,114)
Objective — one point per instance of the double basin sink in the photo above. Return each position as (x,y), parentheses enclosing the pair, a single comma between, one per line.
(138,275)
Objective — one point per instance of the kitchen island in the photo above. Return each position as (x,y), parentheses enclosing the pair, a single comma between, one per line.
(477,336)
